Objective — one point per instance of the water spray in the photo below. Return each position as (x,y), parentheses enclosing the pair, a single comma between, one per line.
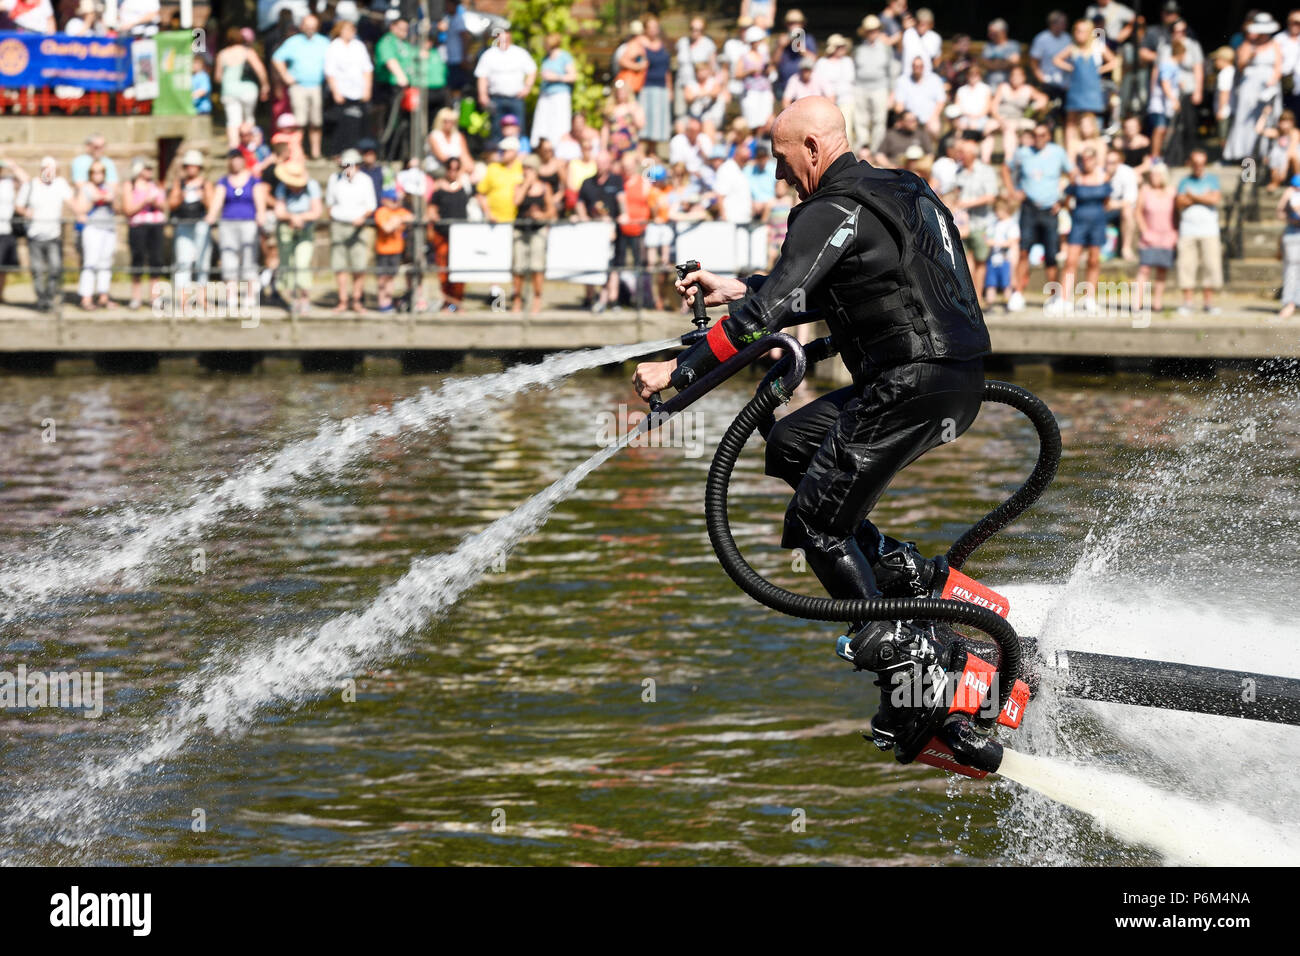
(948,696)
(136,538)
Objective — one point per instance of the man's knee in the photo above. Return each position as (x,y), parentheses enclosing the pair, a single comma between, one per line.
(782,457)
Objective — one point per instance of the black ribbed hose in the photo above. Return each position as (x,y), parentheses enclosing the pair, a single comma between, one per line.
(1049,457)
(830,609)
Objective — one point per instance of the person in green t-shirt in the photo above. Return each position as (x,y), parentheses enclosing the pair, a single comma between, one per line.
(394,61)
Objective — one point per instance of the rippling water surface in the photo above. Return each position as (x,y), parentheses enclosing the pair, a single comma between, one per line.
(516,727)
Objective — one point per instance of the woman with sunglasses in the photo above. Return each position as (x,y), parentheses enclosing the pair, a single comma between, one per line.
(449,203)
(94,204)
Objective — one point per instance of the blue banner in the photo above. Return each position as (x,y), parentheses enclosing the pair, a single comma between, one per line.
(50,59)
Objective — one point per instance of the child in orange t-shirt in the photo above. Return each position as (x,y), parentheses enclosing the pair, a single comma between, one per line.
(391,220)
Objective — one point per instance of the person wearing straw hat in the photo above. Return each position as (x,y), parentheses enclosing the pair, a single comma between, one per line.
(1259,89)
(188,199)
(836,72)
(875,70)
(298,207)
(796,43)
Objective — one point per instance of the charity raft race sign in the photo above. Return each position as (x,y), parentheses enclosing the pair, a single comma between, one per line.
(102,64)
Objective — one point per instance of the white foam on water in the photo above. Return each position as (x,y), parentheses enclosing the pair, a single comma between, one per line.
(223,697)
(135,539)
(1184,831)
(1187,562)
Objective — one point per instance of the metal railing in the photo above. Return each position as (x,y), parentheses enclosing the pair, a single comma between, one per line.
(593,271)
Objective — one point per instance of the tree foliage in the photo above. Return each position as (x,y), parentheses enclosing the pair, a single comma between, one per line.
(531,21)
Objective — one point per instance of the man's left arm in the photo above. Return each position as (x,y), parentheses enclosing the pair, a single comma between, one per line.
(820,237)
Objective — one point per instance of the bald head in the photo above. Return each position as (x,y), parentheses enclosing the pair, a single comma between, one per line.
(807,137)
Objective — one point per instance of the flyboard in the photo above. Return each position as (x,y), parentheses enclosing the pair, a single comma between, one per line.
(945,696)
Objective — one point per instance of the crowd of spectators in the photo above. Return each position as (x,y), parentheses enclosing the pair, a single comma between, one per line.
(1049,149)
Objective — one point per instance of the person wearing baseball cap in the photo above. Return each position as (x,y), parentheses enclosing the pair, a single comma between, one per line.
(351,199)
(391,221)
(511,127)
(496,190)
(805,83)
(289,132)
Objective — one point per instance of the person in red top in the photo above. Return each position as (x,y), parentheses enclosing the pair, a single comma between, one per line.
(630,241)
(288,131)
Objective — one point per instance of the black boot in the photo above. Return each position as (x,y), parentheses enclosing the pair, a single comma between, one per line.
(839,563)
(903,656)
(899,568)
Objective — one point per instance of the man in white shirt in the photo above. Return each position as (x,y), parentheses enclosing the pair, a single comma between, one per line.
(351,201)
(1117,19)
(921,93)
(943,172)
(139,18)
(349,72)
(505,75)
(28,17)
(43,202)
(922,40)
(691,147)
(1123,192)
(731,187)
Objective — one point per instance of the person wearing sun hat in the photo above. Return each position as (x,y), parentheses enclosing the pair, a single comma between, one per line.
(298,207)
(875,70)
(796,43)
(1259,87)
(188,199)
(836,72)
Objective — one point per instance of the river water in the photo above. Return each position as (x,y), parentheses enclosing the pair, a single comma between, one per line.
(604,695)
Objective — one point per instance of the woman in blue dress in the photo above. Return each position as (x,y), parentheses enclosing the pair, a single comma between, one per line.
(1084,61)
(1090,190)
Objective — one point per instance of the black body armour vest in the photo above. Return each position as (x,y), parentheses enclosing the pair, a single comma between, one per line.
(924,309)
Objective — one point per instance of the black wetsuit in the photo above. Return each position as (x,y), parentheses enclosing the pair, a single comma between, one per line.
(875,253)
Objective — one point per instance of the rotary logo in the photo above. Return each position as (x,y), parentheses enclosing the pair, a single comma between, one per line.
(13,57)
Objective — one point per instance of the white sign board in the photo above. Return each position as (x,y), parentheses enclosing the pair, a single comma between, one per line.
(480,251)
(722,247)
(580,252)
